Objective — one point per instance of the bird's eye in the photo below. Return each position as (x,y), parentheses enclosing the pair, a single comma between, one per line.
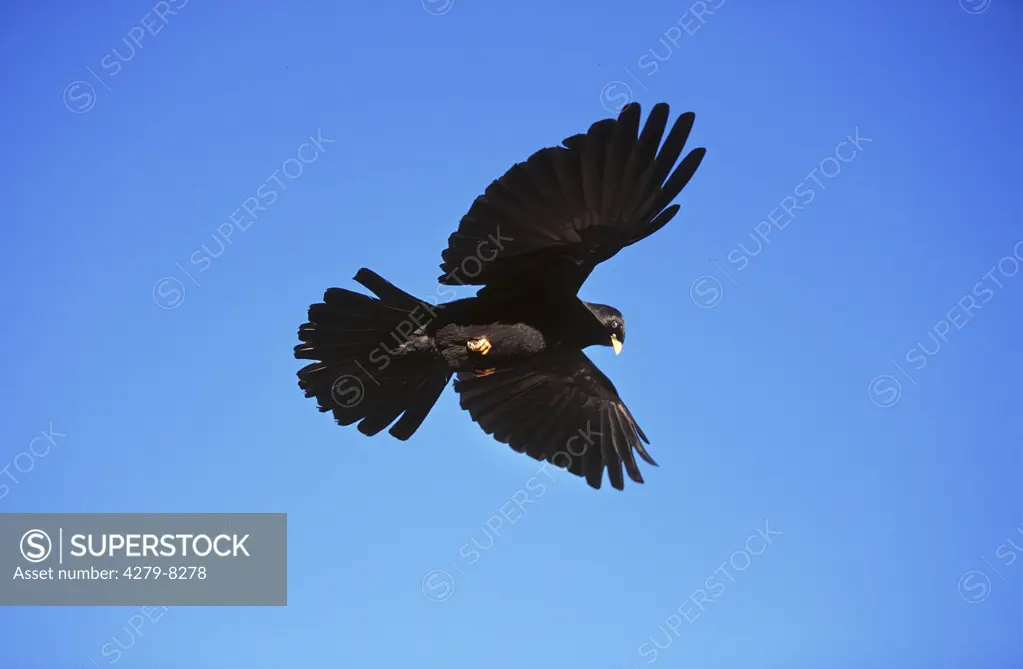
(614,324)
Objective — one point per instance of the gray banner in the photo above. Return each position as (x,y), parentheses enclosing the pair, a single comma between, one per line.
(143,559)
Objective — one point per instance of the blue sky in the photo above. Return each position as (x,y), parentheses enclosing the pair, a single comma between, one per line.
(832,391)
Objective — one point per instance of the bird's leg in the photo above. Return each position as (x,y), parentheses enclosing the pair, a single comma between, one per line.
(479,345)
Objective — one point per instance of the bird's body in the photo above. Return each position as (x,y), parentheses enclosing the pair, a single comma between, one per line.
(515,329)
(530,241)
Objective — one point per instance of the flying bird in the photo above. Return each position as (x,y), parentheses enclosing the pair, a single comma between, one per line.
(516,348)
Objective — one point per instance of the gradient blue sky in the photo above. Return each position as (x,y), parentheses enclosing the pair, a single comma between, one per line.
(756,376)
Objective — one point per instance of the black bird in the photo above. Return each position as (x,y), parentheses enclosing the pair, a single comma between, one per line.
(530,241)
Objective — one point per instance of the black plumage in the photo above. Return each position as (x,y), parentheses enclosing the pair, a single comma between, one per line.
(530,241)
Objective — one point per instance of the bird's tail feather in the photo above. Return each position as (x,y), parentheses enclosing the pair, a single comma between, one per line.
(362,370)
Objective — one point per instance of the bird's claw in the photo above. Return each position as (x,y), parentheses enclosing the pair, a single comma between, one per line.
(479,345)
(484,372)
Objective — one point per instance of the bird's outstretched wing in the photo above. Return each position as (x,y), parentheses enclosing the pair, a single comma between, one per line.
(557,406)
(550,220)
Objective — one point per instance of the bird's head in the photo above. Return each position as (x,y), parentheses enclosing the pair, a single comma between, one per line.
(613,324)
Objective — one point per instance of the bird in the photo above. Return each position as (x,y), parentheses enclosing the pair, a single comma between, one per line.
(528,242)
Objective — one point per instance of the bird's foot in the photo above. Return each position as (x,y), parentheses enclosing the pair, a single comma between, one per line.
(479,345)
(484,372)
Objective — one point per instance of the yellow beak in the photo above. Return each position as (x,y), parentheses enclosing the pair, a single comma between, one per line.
(616,344)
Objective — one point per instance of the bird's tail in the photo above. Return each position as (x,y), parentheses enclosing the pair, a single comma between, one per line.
(370,366)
